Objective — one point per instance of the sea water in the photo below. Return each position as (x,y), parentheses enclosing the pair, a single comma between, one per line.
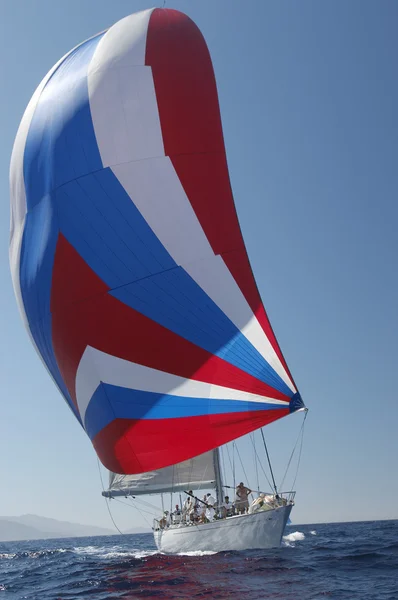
(328,561)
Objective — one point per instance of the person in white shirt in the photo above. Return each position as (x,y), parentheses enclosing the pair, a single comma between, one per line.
(177,515)
(210,500)
(226,508)
(187,506)
(210,512)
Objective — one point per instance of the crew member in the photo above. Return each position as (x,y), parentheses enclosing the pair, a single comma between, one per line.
(241,500)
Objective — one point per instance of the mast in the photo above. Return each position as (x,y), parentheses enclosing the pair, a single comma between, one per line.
(218,474)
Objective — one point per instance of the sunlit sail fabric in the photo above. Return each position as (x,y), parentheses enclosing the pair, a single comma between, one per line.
(126,254)
(194,474)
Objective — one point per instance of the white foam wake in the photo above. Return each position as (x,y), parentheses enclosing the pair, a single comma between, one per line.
(197,553)
(113,552)
(296,536)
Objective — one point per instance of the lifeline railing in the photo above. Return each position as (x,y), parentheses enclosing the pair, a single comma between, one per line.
(280,499)
(288,496)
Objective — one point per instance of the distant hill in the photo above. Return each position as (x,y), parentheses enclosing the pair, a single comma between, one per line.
(12,531)
(33,527)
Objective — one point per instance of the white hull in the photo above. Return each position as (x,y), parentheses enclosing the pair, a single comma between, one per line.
(244,532)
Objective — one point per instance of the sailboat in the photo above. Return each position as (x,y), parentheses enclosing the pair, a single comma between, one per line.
(180,533)
(131,273)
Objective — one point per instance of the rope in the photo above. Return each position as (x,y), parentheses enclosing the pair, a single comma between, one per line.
(233,462)
(140,511)
(133,505)
(301,448)
(106,499)
(301,433)
(230,462)
(144,503)
(223,463)
(262,468)
(269,462)
(253,440)
(172,489)
(243,468)
(111,516)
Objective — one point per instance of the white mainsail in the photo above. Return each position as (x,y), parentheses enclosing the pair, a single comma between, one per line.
(195,474)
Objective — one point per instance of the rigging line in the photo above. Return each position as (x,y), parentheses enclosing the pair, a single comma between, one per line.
(233,463)
(132,505)
(229,459)
(190,480)
(269,461)
(262,468)
(111,516)
(143,502)
(301,432)
(301,448)
(106,499)
(223,463)
(130,496)
(243,468)
(143,516)
(255,460)
(172,489)
(203,478)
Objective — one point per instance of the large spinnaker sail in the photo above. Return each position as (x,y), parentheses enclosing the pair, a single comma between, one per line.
(126,253)
(194,474)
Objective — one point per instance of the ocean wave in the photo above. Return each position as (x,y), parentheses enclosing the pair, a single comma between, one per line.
(32,554)
(359,566)
(113,552)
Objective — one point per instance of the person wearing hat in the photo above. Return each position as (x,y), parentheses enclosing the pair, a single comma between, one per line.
(241,500)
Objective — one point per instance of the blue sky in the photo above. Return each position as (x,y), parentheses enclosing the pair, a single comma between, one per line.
(309,96)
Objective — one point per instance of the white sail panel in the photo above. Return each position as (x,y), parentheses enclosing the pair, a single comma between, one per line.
(195,474)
